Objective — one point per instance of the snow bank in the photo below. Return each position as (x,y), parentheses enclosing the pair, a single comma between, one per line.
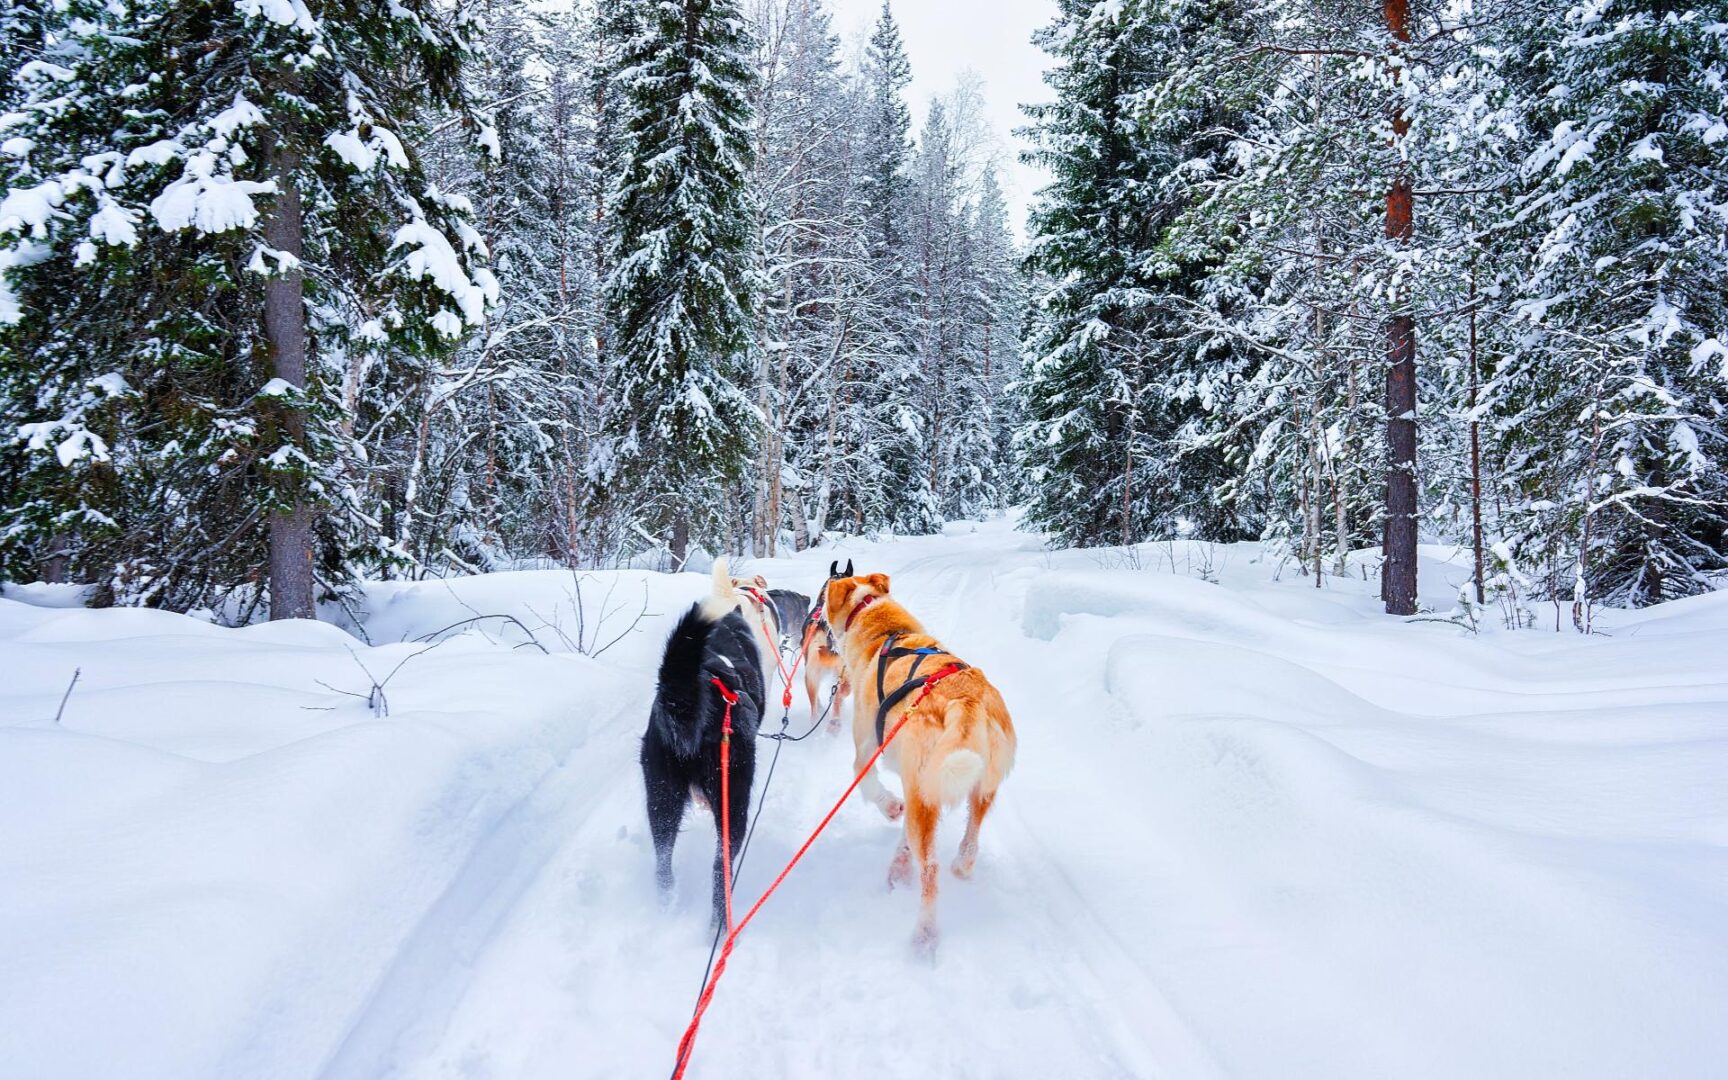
(213,859)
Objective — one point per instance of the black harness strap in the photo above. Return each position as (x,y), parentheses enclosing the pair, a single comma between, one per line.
(913,680)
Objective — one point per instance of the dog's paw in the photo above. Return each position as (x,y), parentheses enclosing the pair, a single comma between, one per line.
(900,870)
(892,808)
(924,944)
(965,861)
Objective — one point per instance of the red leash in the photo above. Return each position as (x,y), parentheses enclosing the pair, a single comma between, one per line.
(730,699)
(780,661)
(688,1042)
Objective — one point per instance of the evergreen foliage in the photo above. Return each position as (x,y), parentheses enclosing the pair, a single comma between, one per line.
(1219,280)
(148,148)
(683,291)
(714,285)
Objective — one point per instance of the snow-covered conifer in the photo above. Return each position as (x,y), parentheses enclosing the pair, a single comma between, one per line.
(683,292)
(214,214)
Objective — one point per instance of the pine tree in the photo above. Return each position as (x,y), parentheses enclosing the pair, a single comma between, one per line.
(886,138)
(1113,342)
(683,293)
(215,217)
(886,484)
(1611,407)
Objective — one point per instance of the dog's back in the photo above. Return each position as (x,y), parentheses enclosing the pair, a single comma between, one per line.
(792,609)
(703,647)
(676,717)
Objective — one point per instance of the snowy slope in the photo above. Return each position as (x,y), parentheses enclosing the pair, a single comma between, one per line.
(1256,829)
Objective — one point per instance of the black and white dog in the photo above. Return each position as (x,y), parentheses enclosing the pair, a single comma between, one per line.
(791,609)
(681,751)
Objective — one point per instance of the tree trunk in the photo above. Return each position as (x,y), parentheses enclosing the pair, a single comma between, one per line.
(1128,486)
(779,421)
(405,538)
(1318,466)
(680,541)
(1475,449)
(291,584)
(1398,574)
(57,560)
(800,524)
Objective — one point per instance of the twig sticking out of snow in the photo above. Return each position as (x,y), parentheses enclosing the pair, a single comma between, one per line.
(532,640)
(587,640)
(67,696)
(374,697)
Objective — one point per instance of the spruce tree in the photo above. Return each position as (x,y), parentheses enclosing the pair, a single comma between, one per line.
(887,485)
(1111,343)
(1612,407)
(991,327)
(213,216)
(684,289)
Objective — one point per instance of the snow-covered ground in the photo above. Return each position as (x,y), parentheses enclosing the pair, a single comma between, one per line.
(1256,829)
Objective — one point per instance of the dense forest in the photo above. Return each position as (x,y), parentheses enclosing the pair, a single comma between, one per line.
(1352,274)
(302,292)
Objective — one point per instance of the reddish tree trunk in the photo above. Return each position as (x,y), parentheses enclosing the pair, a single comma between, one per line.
(1398,573)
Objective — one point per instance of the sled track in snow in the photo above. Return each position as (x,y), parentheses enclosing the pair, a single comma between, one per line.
(427,978)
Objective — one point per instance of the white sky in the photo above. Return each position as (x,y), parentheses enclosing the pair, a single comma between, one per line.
(991,37)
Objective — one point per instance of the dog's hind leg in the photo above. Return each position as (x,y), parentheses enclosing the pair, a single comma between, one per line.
(979,804)
(739,825)
(666,800)
(813,686)
(921,816)
(864,746)
(841,689)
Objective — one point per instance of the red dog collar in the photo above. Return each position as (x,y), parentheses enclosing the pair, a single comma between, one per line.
(862,604)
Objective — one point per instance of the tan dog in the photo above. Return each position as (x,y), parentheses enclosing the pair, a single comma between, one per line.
(957,742)
(746,594)
(821,651)
(822,659)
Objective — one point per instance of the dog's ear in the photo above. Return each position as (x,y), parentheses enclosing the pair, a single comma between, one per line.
(834,568)
(849,571)
(761,582)
(879,582)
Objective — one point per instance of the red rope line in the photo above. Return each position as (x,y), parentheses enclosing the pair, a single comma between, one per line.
(688,1042)
(954,668)
(731,699)
(786,673)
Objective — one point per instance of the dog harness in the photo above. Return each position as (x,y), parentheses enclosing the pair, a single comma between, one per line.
(913,680)
(822,624)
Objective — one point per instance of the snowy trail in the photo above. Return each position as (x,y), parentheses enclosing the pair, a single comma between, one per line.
(823,983)
(1255,829)
(425,980)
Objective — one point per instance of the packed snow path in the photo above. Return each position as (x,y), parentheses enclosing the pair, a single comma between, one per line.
(1256,829)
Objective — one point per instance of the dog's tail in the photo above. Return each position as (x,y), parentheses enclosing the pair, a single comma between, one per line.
(724,596)
(956,766)
(677,705)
